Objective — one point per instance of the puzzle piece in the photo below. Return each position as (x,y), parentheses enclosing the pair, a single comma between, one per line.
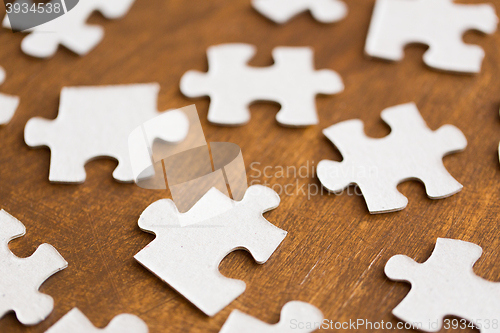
(189,247)
(377,166)
(233,85)
(437,23)
(95,122)
(70,29)
(8,104)
(446,285)
(296,317)
(76,322)
(20,278)
(280,11)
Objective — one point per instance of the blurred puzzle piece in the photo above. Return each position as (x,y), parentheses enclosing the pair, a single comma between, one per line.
(76,322)
(439,24)
(70,29)
(20,278)
(280,11)
(296,317)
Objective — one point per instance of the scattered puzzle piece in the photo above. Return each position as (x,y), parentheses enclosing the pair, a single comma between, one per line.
(280,11)
(20,278)
(437,23)
(70,29)
(377,166)
(76,322)
(446,285)
(189,247)
(8,104)
(296,317)
(95,122)
(232,85)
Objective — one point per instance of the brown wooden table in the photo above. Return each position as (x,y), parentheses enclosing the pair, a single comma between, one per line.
(335,251)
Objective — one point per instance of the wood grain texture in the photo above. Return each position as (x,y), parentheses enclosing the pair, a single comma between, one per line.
(335,251)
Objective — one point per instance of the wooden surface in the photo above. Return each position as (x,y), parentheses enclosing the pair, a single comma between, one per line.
(335,251)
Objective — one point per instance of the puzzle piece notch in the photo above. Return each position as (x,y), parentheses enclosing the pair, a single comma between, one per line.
(8,104)
(377,166)
(445,285)
(292,312)
(187,255)
(20,278)
(437,23)
(70,29)
(280,11)
(95,122)
(76,322)
(232,85)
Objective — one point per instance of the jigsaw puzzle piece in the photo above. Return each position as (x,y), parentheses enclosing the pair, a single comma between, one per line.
(446,285)
(437,23)
(71,29)
(296,316)
(76,322)
(232,85)
(280,11)
(189,247)
(20,278)
(377,166)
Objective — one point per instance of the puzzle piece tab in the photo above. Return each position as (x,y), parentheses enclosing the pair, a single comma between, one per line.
(439,24)
(446,285)
(232,85)
(20,278)
(70,29)
(95,122)
(280,11)
(8,104)
(296,317)
(189,247)
(76,322)
(377,166)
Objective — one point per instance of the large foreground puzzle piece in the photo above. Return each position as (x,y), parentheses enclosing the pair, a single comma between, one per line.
(296,317)
(20,278)
(232,85)
(280,11)
(76,322)
(95,122)
(70,29)
(377,166)
(437,23)
(8,104)
(446,285)
(189,246)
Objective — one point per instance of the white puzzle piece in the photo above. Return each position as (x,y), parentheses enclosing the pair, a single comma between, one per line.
(377,166)
(445,285)
(95,122)
(189,247)
(20,278)
(280,11)
(71,29)
(8,104)
(232,85)
(440,24)
(76,322)
(296,317)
